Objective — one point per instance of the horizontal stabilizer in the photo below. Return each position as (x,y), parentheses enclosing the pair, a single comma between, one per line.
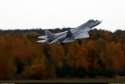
(42,37)
(49,35)
(41,41)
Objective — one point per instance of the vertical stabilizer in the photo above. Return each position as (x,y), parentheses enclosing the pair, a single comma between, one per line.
(50,36)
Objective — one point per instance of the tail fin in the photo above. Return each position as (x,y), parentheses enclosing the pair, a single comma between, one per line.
(69,37)
(49,35)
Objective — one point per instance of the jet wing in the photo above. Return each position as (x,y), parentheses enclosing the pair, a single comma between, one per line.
(78,34)
(63,37)
(58,39)
(67,40)
(82,33)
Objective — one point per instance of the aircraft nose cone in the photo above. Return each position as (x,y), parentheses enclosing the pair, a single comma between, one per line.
(99,21)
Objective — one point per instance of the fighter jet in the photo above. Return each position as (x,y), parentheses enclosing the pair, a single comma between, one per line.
(70,35)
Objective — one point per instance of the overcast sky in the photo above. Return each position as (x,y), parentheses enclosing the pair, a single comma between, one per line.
(26,14)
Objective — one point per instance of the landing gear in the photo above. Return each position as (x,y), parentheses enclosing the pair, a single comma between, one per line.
(79,41)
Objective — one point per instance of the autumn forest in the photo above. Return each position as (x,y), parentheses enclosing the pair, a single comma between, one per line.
(100,55)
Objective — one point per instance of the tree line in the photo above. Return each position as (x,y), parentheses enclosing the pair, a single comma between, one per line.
(100,55)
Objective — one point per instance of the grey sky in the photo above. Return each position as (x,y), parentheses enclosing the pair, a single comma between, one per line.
(25,14)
